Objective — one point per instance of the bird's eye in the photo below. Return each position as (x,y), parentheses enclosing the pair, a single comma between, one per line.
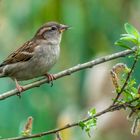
(53,28)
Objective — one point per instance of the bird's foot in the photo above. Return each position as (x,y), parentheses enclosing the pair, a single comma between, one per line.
(19,88)
(50,77)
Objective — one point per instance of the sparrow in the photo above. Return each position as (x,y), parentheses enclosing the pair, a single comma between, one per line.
(35,57)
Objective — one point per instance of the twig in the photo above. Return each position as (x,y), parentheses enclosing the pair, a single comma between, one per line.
(58,136)
(69,71)
(127,79)
(54,131)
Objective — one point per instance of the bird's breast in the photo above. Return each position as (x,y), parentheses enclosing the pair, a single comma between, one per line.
(44,58)
(47,55)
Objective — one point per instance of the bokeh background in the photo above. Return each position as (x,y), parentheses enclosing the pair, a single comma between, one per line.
(96,25)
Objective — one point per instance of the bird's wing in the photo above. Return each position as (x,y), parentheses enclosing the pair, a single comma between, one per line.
(24,53)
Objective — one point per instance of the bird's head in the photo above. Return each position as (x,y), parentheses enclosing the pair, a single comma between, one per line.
(51,31)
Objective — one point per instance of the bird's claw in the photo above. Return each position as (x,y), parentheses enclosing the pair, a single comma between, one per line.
(50,78)
(19,88)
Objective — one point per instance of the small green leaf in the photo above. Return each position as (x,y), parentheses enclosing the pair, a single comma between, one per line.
(82,125)
(131,30)
(86,126)
(118,89)
(129,36)
(92,112)
(134,90)
(132,82)
(88,131)
(122,44)
(127,96)
(26,133)
(138,40)
(127,70)
(129,39)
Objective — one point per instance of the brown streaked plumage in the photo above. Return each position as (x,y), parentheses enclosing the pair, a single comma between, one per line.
(22,54)
(36,57)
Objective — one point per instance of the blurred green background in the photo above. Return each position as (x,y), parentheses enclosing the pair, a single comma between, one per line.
(96,25)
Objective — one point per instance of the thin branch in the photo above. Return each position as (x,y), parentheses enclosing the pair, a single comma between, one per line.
(54,131)
(69,71)
(127,79)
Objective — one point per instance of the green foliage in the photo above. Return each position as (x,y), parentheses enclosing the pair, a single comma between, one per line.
(130,39)
(131,30)
(91,34)
(91,123)
(130,92)
(92,112)
(25,133)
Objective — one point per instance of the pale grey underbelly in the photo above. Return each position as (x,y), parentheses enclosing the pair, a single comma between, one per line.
(37,66)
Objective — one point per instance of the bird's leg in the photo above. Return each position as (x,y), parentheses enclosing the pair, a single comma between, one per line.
(50,78)
(19,88)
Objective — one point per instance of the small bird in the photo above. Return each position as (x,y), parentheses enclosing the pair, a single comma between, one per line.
(35,57)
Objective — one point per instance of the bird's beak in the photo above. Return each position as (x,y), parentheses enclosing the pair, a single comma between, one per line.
(63,28)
